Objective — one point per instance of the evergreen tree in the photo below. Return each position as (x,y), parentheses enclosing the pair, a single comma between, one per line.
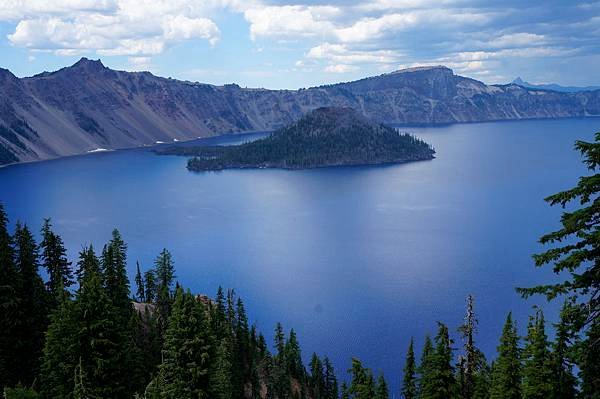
(442,382)
(54,260)
(140,293)
(506,373)
(362,385)
(184,372)
(9,305)
(468,361)
(563,381)
(426,371)
(61,351)
(33,307)
(481,388)
(165,271)
(97,333)
(331,384)
(579,236)
(220,378)
(381,392)
(317,379)
(589,363)
(536,371)
(344,394)
(150,286)
(409,381)
(294,357)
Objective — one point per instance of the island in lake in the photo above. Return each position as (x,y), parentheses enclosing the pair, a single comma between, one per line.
(328,136)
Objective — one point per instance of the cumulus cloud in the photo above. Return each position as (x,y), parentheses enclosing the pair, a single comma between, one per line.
(474,37)
(108,27)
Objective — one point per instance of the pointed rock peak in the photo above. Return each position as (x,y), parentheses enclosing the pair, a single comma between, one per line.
(85,63)
(518,81)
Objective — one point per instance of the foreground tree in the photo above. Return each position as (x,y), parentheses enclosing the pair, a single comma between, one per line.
(33,306)
(506,372)
(536,372)
(409,381)
(580,256)
(9,305)
(54,260)
(469,360)
(561,366)
(184,372)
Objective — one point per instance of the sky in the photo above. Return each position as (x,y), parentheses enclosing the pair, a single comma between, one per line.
(293,44)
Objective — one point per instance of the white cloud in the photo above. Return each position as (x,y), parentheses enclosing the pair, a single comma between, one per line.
(517,40)
(109,27)
(340,68)
(340,53)
(284,21)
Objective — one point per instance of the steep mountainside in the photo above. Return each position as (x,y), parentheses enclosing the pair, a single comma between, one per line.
(328,136)
(88,106)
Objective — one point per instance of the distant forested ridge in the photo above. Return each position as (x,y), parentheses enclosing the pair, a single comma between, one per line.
(82,333)
(328,136)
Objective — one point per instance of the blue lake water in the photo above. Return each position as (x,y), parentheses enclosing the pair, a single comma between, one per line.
(356,259)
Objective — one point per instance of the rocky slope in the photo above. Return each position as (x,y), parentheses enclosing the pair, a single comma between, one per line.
(88,106)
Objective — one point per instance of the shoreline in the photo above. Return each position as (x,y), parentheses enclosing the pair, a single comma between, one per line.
(238,134)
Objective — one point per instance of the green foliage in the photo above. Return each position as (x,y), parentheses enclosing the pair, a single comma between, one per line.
(577,250)
(9,305)
(381,391)
(20,393)
(506,372)
(184,372)
(54,260)
(442,382)
(561,365)
(536,372)
(362,385)
(324,137)
(469,361)
(409,381)
(140,293)
(590,362)
(33,306)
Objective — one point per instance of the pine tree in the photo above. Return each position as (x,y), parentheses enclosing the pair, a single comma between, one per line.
(317,379)
(579,236)
(165,271)
(469,359)
(536,372)
(362,385)
(442,383)
(426,371)
(344,394)
(331,384)
(220,378)
(382,391)
(563,380)
(293,357)
(409,381)
(33,307)
(140,293)
(184,372)
(98,333)
(150,286)
(590,362)
(9,304)
(54,260)
(506,373)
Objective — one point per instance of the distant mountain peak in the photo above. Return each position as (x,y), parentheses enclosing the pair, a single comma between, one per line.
(87,64)
(440,68)
(518,81)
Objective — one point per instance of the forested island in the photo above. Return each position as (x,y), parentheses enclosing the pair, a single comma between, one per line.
(82,333)
(328,136)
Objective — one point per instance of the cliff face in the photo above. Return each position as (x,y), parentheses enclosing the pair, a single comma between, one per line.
(88,106)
